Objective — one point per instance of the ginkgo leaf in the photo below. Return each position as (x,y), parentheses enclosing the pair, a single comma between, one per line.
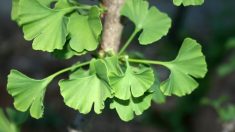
(16,116)
(154,23)
(113,66)
(188,2)
(27,93)
(189,63)
(85,30)
(82,92)
(79,73)
(49,27)
(46,26)
(5,124)
(127,109)
(66,53)
(14,11)
(158,96)
(134,82)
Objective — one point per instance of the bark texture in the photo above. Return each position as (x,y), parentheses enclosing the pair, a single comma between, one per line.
(111,38)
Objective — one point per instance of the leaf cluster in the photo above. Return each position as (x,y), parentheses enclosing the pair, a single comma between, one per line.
(67,28)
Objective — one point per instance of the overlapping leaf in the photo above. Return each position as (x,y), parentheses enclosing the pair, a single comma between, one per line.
(188,2)
(49,27)
(158,96)
(154,23)
(85,30)
(127,109)
(45,25)
(28,93)
(113,66)
(66,53)
(189,63)
(83,91)
(134,82)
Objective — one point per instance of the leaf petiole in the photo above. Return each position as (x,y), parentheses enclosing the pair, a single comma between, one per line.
(69,69)
(129,41)
(166,64)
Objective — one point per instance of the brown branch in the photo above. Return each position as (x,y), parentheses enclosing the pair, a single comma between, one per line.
(111,38)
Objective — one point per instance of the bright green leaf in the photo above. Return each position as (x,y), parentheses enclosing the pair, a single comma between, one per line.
(126,109)
(134,82)
(189,63)
(188,2)
(154,23)
(5,124)
(27,93)
(45,25)
(82,92)
(85,30)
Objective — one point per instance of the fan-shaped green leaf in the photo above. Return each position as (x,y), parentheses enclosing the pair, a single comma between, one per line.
(154,23)
(126,109)
(27,93)
(189,63)
(188,2)
(45,25)
(134,82)
(85,30)
(82,92)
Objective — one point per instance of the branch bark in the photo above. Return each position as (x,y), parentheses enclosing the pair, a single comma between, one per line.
(111,38)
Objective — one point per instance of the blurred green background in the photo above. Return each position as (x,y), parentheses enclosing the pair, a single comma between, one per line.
(209,109)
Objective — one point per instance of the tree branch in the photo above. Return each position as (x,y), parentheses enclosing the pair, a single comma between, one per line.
(111,38)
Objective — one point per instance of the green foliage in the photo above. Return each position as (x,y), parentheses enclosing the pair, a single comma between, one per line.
(85,30)
(28,93)
(50,28)
(189,62)
(158,96)
(82,91)
(229,67)
(147,20)
(67,28)
(226,113)
(188,2)
(11,121)
(127,108)
(134,82)
(5,124)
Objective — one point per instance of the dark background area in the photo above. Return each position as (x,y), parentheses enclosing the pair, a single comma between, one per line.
(212,24)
